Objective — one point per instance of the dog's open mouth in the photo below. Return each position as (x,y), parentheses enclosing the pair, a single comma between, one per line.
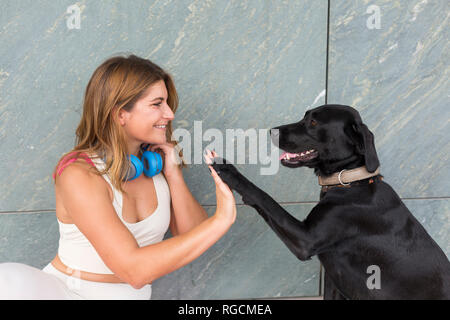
(294,158)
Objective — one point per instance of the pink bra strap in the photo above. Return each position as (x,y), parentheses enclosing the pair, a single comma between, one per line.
(65,162)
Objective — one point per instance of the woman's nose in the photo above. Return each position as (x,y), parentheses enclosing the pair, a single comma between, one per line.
(168,113)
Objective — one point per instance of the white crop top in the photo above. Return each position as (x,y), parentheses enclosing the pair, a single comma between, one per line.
(75,250)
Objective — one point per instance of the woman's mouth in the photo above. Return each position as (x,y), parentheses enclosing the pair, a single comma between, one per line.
(162,127)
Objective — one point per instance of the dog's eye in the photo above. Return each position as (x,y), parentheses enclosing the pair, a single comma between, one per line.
(313,122)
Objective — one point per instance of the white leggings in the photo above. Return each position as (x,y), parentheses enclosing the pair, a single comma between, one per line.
(20,281)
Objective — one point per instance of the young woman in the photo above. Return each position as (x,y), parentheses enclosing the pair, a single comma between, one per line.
(111,227)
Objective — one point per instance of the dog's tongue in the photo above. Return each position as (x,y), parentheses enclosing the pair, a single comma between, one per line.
(283,155)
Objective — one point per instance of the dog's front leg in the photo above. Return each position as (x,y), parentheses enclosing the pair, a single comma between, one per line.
(290,230)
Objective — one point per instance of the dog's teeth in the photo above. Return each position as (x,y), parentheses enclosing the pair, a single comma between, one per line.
(307,152)
(287,156)
(302,154)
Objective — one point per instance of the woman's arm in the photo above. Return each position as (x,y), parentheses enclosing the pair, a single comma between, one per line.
(180,250)
(186,212)
(96,218)
(154,261)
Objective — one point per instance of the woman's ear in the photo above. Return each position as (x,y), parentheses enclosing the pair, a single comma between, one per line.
(121,115)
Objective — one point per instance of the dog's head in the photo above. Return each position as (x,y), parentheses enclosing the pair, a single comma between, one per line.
(329,138)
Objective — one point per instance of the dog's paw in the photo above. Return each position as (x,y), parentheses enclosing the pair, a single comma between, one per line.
(227,172)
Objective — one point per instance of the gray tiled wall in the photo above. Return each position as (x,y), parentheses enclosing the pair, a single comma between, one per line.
(236,64)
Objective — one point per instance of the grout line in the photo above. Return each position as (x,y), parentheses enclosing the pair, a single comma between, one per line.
(328,44)
(321,278)
(313,202)
(213,205)
(427,198)
(287,203)
(28,211)
(321,270)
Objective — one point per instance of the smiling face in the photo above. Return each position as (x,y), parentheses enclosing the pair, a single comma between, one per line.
(328,138)
(147,121)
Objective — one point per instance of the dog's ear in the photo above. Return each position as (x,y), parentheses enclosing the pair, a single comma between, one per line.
(365,145)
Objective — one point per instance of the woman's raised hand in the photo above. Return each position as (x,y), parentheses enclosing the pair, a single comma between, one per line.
(226,205)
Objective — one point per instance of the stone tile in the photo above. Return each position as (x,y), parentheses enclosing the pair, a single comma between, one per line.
(250,261)
(29,238)
(236,65)
(247,65)
(434,215)
(396,77)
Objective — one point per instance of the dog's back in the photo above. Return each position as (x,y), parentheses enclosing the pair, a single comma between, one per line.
(383,233)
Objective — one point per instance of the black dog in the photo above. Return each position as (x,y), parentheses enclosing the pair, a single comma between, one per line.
(357,228)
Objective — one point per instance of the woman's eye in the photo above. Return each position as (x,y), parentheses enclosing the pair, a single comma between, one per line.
(157,104)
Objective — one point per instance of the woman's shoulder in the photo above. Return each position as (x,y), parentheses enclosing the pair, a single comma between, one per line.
(75,178)
(80,172)
(73,162)
(76,169)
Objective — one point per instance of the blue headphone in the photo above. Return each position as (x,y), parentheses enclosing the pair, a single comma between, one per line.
(150,163)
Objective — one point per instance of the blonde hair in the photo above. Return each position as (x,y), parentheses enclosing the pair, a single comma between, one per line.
(116,84)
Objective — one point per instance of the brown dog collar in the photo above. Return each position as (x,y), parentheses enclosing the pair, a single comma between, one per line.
(345,177)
